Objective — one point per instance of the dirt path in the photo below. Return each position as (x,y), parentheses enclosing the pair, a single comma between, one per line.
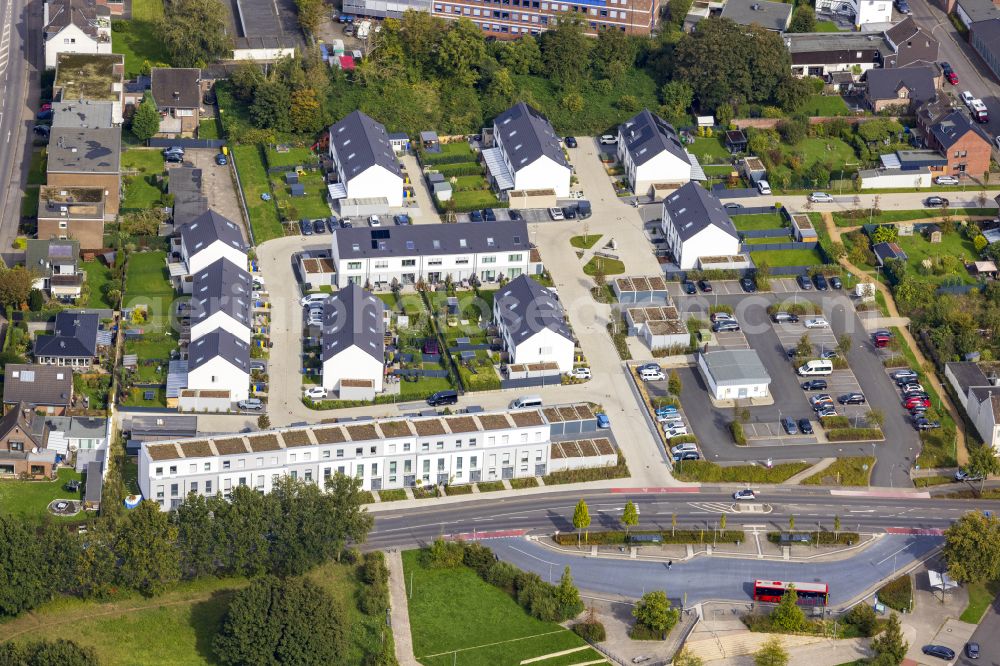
(961,453)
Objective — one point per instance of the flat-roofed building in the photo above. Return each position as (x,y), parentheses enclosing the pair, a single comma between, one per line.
(72,213)
(86,158)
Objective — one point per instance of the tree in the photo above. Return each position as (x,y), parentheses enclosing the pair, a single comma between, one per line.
(836,526)
(980,243)
(462,52)
(673,524)
(787,616)
(36,299)
(630,517)
(972,548)
(263,422)
(310,13)
(686,658)
(245,79)
(23,583)
(271,107)
(145,222)
(844,341)
(804,347)
(863,617)
(804,19)
(771,653)
(613,52)
(198,538)
(351,520)
(305,115)
(983,462)
(15,286)
(677,98)
(146,119)
(146,549)
(290,621)
(791,522)
(568,596)
(889,646)
(565,50)
(194,32)
(674,384)
(875,417)
(885,233)
(47,653)
(678,9)
(521,56)
(654,612)
(581,518)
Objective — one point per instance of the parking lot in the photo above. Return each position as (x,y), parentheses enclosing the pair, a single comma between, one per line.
(779,285)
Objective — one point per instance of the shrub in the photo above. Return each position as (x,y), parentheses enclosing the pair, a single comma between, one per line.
(822,538)
(863,618)
(897,594)
(373,570)
(683,439)
(736,428)
(641,632)
(831,422)
(592,632)
(503,575)
(613,537)
(445,554)
(590,474)
(373,600)
(852,434)
(479,558)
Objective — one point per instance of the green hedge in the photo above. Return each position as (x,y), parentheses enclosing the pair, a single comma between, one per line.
(590,474)
(392,495)
(614,537)
(592,632)
(852,434)
(438,159)
(489,486)
(702,470)
(821,538)
(834,422)
(796,308)
(897,594)
(463,168)
(527,482)
(736,428)
(458,490)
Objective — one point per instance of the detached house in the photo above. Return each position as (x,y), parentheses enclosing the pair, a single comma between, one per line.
(979,396)
(824,53)
(55,264)
(22,451)
(177,94)
(908,87)
(527,155)
(912,45)
(952,132)
(696,225)
(652,153)
(532,324)
(40,387)
(75,26)
(365,163)
(210,237)
(353,342)
(220,299)
(75,342)
(219,361)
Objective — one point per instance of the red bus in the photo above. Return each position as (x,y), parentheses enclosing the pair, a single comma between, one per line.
(809,594)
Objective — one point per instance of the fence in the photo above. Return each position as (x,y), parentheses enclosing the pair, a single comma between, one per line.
(752,210)
(186,143)
(745,247)
(959,289)
(766,233)
(419,372)
(528,382)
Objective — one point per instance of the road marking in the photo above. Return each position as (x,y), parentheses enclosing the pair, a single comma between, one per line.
(891,555)
(535,557)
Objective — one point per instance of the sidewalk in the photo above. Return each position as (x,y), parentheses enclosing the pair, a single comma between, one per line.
(400,615)
(796,479)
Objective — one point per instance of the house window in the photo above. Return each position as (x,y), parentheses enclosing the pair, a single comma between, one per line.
(173,469)
(425,446)
(208,487)
(208,467)
(489,260)
(440,446)
(174,489)
(225,464)
(472,441)
(159,470)
(514,258)
(409,263)
(194,486)
(359,471)
(354,265)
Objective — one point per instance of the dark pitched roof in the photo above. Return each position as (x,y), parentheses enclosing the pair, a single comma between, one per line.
(221,287)
(692,209)
(42,254)
(968,375)
(352,316)
(176,88)
(887,251)
(770,15)
(911,43)
(219,343)
(948,130)
(20,417)
(189,202)
(75,336)
(37,384)
(886,83)
(646,135)
(361,142)
(83,13)
(209,227)
(525,307)
(436,239)
(526,135)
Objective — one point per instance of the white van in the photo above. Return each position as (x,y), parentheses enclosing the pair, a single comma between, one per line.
(526,401)
(651,375)
(817,367)
(763,187)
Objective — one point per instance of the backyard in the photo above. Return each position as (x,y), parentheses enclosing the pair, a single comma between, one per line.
(946,257)
(824,105)
(709,150)
(458,163)
(140,169)
(312,204)
(456,617)
(99,282)
(147,283)
(29,498)
(137,39)
(253,177)
(787,257)
(759,221)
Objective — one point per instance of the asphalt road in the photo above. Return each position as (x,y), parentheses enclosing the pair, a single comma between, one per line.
(18,50)
(987,636)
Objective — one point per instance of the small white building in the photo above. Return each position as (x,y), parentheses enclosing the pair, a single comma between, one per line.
(696,225)
(532,324)
(220,299)
(527,156)
(210,237)
(366,164)
(353,339)
(75,26)
(734,374)
(864,12)
(219,361)
(651,153)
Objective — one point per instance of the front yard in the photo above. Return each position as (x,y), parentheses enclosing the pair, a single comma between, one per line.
(759,221)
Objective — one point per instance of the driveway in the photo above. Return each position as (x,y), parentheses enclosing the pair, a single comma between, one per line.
(424,212)
(217,184)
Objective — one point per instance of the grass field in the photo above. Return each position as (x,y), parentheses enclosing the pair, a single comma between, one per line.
(709,150)
(980,597)
(456,617)
(954,244)
(311,205)
(824,105)
(844,472)
(145,164)
(36,172)
(139,41)
(759,221)
(146,281)
(98,275)
(610,266)
(29,498)
(208,128)
(842,220)
(475,199)
(291,157)
(253,177)
(787,257)
(710,472)
(585,242)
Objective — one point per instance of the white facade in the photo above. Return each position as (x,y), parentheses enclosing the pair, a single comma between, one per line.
(375,182)
(542,174)
(352,363)
(218,374)
(263,54)
(545,346)
(211,253)
(225,322)
(665,168)
(709,242)
(487,266)
(731,389)
(71,39)
(865,11)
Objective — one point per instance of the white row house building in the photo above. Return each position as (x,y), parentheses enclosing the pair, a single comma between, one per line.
(366,165)
(220,299)
(352,339)
(532,324)
(210,237)
(696,225)
(527,155)
(652,153)
(430,252)
(219,361)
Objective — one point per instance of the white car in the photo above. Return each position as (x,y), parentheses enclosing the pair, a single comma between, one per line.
(315,392)
(313,299)
(581,373)
(722,316)
(967,97)
(818,322)
(745,494)
(675,432)
(947,180)
(374,221)
(820,197)
(556,214)
(609,139)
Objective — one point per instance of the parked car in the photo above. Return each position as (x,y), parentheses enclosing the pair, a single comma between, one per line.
(749,286)
(852,399)
(820,281)
(319,226)
(173,158)
(912,387)
(829,354)
(331,224)
(705,286)
(305,226)
(489,215)
(42,130)
(476,216)
(689,287)
(732,205)
(805,426)
(817,322)
(652,375)
(814,385)
(936,202)
(402,219)
(374,221)
(556,214)
(966,475)
(221,159)
(967,97)
(666,410)
(745,494)
(903,7)
(721,316)
(821,398)
(676,431)
(903,376)
(315,392)
(804,283)
(570,142)
(972,650)
(569,212)
(346,224)
(784,317)
(789,425)
(939,651)
(45,115)
(514,214)
(836,282)
(724,326)
(650,366)
(681,448)
(820,197)
(251,404)
(603,422)
(949,73)
(581,373)
(687,455)
(946,180)
(924,423)
(608,139)
(313,299)
(916,400)
(825,412)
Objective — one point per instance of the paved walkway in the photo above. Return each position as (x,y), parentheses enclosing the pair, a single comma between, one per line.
(961,452)
(796,479)
(399,613)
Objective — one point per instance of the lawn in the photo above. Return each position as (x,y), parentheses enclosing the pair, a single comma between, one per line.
(846,220)
(710,472)
(139,41)
(29,498)
(311,205)
(826,26)
(29,202)
(137,397)
(844,472)
(146,281)
(464,183)
(208,128)
(450,152)
(787,257)
(253,177)
(290,157)
(709,150)
(585,242)
(98,277)
(452,611)
(610,266)
(980,597)
(474,199)
(36,172)
(759,221)
(140,168)
(824,105)
(917,248)
(824,149)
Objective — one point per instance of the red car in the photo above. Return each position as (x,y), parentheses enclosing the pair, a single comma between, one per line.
(949,73)
(910,403)
(46,107)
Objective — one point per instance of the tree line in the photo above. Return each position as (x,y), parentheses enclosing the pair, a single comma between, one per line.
(283,533)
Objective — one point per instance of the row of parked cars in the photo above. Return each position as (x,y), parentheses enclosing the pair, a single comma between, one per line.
(669,417)
(322,225)
(915,398)
(822,283)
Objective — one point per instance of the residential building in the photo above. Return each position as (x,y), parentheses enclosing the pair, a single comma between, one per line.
(75,26)
(864,12)
(908,88)
(532,324)
(984,36)
(979,395)
(775,16)
(91,77)
(39,387)
(961,141)
(651,153)
(75,341)
(177,94)
(83,114)
(220,362)
(185,185)
(527,155)
(823,53)
(157,427)
(912,45)
(430,252)
(970,12)
(72,213)
(696,225)
(734,374)
(22,452)
(56,267)
(86,158)
(522,17)
(67,434)
(220,299)
(382,453)
(965,375)
(366,166)
(352,339)
(210,237)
